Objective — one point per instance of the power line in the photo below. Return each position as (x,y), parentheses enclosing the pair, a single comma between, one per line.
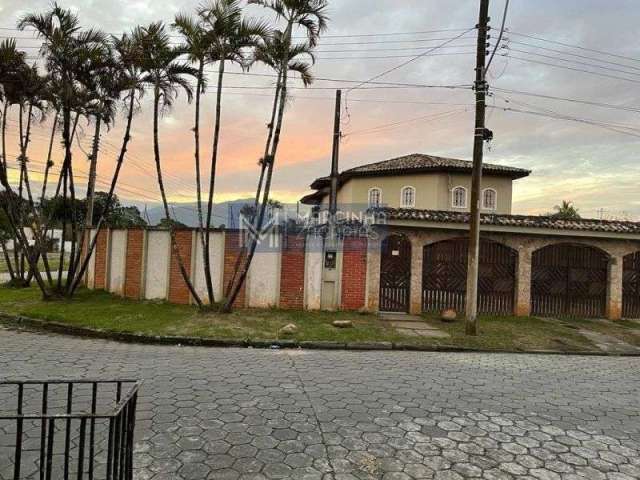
(577,62)
(601,52)
(571,100)
(495,49)
(616,77)
(404,64)
(388,126)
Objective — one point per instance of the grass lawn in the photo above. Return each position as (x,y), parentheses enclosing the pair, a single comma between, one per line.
(54,262)
(100,310)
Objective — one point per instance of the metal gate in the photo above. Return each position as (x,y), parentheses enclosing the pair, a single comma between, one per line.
(395,274)
(444,277)
(631,286)
(569,281)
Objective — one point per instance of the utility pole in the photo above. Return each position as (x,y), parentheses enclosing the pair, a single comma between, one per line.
(335,158)
(480,136)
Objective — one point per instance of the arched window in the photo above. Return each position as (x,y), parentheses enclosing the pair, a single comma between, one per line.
(375,197)
(459,197)
(489,199)
(408,197)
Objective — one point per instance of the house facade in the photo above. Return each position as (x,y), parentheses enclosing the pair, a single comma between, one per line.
(419,182)
(528,264)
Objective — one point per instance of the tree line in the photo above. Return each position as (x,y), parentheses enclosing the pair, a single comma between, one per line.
(83,74)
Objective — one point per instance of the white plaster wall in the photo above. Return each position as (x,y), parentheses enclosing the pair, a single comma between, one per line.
(216,260)
(263,282)
(91,266)
(117,260)
(157,265)
(313,275)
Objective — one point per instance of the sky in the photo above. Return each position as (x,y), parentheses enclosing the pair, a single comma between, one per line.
(591,160)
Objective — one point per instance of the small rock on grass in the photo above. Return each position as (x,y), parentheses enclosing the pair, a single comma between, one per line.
(449,315)
(290,329)
(343,324)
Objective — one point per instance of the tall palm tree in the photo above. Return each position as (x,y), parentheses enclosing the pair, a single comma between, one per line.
(228,35)
(197,42)
(19,84)
(311,16)
(130,81)
(269,51)
(167,76)
(67,50)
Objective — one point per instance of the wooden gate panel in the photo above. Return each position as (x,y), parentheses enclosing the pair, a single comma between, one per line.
(395,274)
(569,281)
(444,282)
(631,286)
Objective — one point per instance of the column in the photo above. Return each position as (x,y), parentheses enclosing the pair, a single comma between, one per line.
(614,294)
(523,281)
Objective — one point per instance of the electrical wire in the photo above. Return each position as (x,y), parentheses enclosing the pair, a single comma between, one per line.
(495,49)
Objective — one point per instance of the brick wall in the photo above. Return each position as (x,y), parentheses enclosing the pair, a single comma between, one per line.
(100,269)
(354,273)
(134,264)
(292,273)
(232,245)
(178,290)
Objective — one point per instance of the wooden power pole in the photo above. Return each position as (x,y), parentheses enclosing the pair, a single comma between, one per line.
(335,159)
(478,150)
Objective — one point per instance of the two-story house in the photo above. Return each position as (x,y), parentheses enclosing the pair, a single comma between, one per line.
(415,255)
(419,181)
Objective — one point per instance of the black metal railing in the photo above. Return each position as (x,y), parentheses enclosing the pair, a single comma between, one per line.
(62,429)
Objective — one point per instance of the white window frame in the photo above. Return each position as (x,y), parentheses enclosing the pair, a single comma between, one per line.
(402,190)
(453,197)
(379,198)
(495,196)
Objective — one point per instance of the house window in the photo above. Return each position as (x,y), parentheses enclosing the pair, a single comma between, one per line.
(459,197)
(408,197)
(489,199)
(375,197)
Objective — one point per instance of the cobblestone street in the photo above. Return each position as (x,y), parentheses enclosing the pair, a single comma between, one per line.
(232,413)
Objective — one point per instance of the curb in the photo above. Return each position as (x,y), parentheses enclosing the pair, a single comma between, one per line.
(64,329)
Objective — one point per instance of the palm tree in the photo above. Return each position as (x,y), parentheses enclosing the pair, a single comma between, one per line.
(310,15)
(67,50)
(566,211)
(21,86)
(226,34)
(197,42)
(167,76)
(128,79)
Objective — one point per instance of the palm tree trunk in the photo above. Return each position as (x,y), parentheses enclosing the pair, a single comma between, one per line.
(114,181)
(49,154)
(270,159)
(165,203)
(66,131)
(7,259)
(263,167)
(214,159)
(5,178)
(76,257)
(204,235)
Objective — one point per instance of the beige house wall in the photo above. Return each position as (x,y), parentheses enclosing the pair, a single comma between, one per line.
(433,190)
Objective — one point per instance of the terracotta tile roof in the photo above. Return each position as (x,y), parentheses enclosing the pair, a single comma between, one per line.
(419,163)
(521,221)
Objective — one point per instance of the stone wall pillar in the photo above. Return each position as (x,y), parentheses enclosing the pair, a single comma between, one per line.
(523,281)
(614,291)
(373,275)
(415,296)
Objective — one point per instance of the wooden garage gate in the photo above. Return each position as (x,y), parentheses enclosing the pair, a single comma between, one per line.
(569,281)
(631,286)
(444,277)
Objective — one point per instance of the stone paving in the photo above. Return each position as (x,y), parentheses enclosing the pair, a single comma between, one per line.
(260,414)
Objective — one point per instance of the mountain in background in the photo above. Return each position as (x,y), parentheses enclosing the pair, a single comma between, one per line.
(225,213)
